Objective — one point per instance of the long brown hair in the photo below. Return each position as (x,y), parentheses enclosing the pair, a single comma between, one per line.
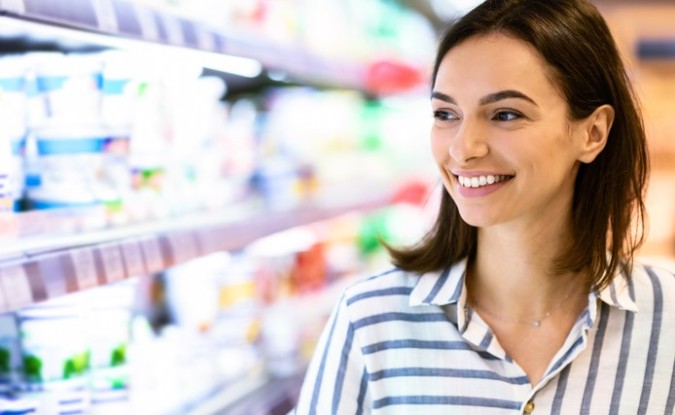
(583,61)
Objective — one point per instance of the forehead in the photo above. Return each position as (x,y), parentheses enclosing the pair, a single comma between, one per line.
(494,62)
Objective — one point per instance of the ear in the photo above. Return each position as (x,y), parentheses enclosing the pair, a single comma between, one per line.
(596,129)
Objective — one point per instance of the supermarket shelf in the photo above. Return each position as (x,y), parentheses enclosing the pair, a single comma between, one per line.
(130,20)
(37,269)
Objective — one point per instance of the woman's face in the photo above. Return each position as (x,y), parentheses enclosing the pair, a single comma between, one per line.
(501,138)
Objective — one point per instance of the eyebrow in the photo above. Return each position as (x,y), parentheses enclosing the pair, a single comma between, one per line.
(488,99)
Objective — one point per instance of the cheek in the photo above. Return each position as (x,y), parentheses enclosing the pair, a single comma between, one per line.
(439,147)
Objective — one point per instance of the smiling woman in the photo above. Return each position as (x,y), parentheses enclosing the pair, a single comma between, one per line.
(524,295)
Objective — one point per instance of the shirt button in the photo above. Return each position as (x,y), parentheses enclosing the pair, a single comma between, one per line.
(529,407)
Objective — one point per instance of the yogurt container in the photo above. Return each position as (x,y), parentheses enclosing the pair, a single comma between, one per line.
(109,328)
(55,368)
(70,86)
(70,159)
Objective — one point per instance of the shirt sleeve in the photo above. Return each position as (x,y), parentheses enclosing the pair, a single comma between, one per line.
(337,380)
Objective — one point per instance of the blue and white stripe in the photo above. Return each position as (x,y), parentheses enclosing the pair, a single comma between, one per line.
(400,343)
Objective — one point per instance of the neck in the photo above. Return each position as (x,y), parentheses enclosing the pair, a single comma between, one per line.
(513,274)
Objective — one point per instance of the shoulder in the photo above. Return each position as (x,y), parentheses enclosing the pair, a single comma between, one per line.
(654,277)
(654,287)
(390,283)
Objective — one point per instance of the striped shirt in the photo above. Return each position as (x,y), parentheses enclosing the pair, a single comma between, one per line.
(400,343)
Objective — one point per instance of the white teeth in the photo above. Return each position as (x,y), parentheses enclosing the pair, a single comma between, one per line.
(479,181)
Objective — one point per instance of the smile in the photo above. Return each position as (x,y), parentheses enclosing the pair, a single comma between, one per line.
(481,181)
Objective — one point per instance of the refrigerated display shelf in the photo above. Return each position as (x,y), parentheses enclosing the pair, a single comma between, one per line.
(131,20)
(40,268)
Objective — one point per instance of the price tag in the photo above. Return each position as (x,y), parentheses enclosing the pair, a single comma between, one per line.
(147,21)
(174,30)
(85,268)
(153,254)
(105,15)
(14,6)
(183,247)
(205,39)
(133,258)
(15,287)
(113,266)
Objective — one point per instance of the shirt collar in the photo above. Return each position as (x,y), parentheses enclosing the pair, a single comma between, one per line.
(619,293)
(447,287)
(440,288)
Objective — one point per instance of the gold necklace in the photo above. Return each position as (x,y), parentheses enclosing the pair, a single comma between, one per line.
(536,323)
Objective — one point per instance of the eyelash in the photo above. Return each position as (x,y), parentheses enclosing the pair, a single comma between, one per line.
(500,113)
(443,115)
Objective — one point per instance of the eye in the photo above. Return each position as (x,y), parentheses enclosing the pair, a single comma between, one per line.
(444,115)
(506,115)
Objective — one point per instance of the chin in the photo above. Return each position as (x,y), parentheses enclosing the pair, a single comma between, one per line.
(477,219)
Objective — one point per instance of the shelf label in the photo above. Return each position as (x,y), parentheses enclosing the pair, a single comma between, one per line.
(146,20)
(16,291)
(133,258)
(174,30)
(183,247)
(105,15)
(113,265)
(14,6)
(85,268)
(153,254)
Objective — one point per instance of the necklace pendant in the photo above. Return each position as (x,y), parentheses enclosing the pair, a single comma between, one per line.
(536,323)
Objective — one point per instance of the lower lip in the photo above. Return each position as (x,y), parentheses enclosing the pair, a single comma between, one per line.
(480,191)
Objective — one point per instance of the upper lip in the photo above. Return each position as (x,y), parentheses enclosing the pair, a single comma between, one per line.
(476,173)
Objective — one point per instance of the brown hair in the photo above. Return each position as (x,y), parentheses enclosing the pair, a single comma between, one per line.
(583,60)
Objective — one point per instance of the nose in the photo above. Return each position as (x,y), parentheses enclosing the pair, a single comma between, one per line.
(469,142)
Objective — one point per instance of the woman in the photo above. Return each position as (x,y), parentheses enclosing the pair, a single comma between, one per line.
(523,297)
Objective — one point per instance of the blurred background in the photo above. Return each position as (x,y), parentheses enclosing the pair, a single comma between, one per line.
(186,187)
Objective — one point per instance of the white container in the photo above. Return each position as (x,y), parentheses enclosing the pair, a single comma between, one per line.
(119,88)
(13,98)
(70,86)
(36,107)
(13,121)
(55,367)
(109,329)
(49,358)
(70,160)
